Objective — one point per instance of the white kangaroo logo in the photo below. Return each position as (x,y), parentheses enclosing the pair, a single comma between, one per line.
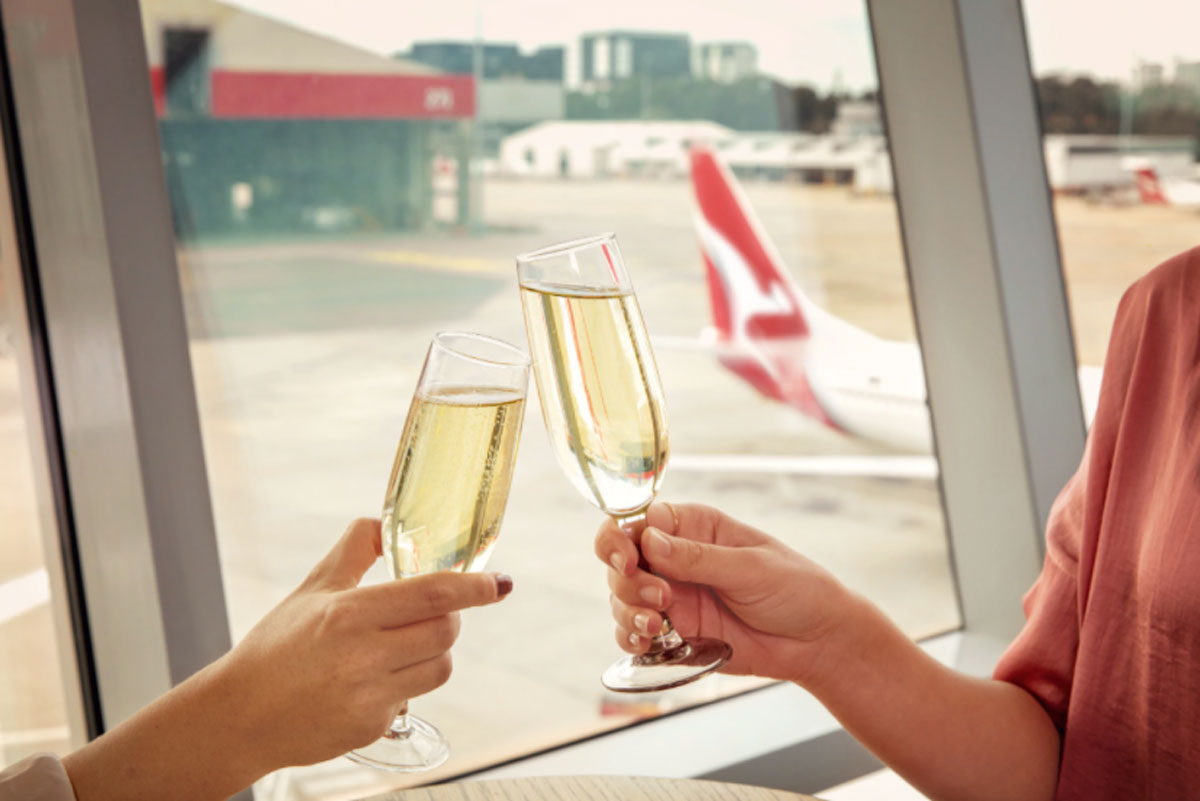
(746,297)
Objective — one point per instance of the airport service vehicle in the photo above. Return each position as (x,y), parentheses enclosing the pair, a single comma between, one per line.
(1165,192)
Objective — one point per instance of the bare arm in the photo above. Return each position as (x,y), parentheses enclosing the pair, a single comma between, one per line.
(188,744)
(322,673)
(951,735)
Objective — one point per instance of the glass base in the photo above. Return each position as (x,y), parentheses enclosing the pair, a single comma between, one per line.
(409,746)
(665,669)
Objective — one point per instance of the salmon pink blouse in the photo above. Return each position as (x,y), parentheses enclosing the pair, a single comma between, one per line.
(1111,646)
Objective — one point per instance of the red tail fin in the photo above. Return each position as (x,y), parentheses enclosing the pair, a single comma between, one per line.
(755,305)
(1149,186)
(750,292)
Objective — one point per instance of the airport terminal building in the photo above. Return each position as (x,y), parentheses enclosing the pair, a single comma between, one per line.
(269,128)
(854,154)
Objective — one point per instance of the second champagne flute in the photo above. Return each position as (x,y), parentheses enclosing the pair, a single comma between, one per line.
(603,405)
(447,492)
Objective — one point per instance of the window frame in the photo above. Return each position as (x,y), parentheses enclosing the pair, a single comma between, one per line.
(55,525)
(138,516)
(987,290)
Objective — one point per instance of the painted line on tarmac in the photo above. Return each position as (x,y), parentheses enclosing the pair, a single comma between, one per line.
(916,467)
(413,258)
(19,595)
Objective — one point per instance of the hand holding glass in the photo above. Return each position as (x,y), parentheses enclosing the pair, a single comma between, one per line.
(603,404)
(446,495)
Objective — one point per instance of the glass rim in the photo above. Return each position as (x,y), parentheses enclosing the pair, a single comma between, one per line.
(445,340)
(559,248)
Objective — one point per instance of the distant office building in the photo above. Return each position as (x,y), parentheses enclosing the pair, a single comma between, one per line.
(726,62)
(517,90)
(545,64)
(500,61)
(1147,73)
(615,55)
(506,106)
(1187,74)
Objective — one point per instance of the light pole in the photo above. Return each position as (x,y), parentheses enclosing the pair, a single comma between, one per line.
(475,224)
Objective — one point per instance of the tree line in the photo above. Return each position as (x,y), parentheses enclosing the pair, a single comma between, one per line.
(1083,106)
(1067,105)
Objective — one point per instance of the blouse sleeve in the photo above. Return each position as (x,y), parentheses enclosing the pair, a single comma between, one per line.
(1042,657)
(38,778)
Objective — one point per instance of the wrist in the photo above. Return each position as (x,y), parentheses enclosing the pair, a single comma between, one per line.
(228,702)
(841,641)
(194,742)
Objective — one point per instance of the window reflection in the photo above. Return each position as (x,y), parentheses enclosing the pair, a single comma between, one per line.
(33,711)
(1119,98)
(343,195)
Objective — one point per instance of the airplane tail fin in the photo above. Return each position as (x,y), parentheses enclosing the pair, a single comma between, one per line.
(756,307)
(752,295)
(1149,186)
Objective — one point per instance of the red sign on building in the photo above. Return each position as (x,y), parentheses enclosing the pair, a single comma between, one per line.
(300,95)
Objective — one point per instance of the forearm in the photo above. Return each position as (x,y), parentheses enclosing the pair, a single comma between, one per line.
(196,743)
(952,736)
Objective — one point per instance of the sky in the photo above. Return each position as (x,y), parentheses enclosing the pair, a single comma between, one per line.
(816,42)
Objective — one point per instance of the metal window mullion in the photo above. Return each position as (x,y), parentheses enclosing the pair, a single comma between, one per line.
(44,435)
(987,285)
(117,342)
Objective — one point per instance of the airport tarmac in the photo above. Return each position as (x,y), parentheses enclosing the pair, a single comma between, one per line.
(305,354)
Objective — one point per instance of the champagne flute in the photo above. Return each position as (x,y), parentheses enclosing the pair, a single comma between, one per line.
(447,491)
(603,405)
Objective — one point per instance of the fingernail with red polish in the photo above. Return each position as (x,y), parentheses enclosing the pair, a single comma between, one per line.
(504,584)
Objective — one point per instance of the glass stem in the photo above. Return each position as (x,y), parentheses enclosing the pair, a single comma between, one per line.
(634,524)
(399,729)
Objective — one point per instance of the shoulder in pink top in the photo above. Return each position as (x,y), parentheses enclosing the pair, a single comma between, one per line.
(1111,647)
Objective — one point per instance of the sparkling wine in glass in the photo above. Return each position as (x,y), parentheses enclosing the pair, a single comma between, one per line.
(446,495)
(603,405)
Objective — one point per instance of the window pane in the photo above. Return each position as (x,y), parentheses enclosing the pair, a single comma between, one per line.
(1119,96)
(33,705)
(331,217)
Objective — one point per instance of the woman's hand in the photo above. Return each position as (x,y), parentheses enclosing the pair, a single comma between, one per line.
(322,673)
(787,618)
(330,666)
(720,578)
